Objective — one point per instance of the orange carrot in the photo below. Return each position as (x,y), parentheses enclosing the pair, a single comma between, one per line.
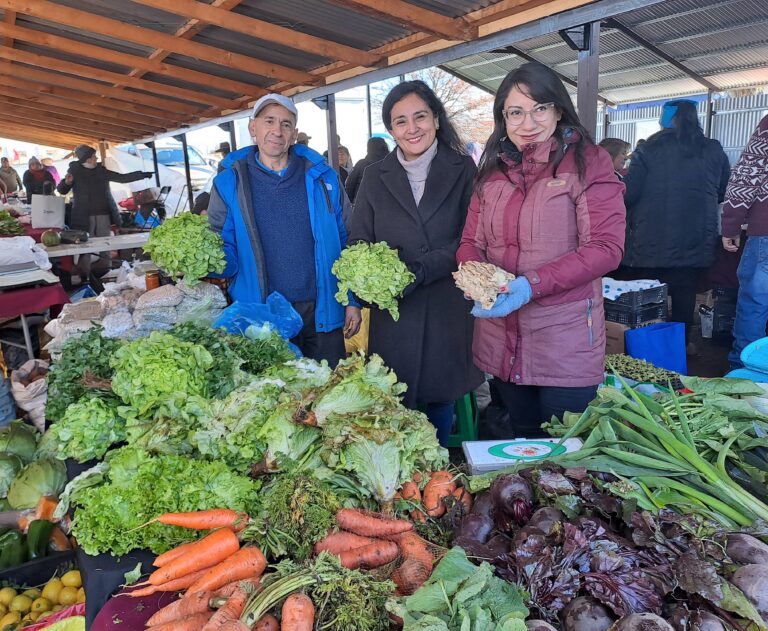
(190,623)
(409,577)
(202,520)
(230,611)
(229,588)
(412,493)
(46,507)
(178,609)
(298,613)
(417,477)
(246,563)
(173,553)
(267,623)
(464,498)
(338,542)
(374,555)
(236,625)
(440,485)
(209,551)
(368,524)
(175,585)
(414,547)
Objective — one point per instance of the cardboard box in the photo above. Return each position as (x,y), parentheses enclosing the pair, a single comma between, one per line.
(614,336)
(490,455)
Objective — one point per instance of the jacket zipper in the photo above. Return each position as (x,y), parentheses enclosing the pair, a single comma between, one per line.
(589,321)
(327,196)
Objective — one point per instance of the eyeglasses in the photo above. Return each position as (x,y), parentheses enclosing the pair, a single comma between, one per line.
(516,115)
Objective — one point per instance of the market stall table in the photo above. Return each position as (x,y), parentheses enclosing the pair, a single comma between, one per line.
(94,245)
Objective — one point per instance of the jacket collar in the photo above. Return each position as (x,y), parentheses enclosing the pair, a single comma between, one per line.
(444,173)
(539,152)
(315,164)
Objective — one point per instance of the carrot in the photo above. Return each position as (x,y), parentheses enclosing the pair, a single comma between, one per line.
(190,623)
(236,625)
(230,611)
(46,507)
(248,562)
(338,542)
(440,485)
(464,498)
(267,623)
(203,520)
(229,588)
(175,585)
(373,555)
(409,577)
(414,547)
(298,613)
(368,524)
(173,553)
(417,477)
(209,551)
(412,493)
(181,608)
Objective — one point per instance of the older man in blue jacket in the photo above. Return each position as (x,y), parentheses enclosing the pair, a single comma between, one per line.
(279,208)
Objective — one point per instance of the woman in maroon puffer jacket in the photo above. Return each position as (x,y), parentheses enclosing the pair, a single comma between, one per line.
(548,208)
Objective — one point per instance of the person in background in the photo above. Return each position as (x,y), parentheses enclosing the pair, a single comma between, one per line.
(223,150)
(48,166)
(547,208)
(415,200)
(303,139)
(10,176)
(93,207)
(278,207)
(376,149)
(674,185)
(345,164)
(37,181)
(618,149)
(746,202)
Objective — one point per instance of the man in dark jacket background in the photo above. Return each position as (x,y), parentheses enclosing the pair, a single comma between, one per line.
(674,185)
(376,150)
(93,207)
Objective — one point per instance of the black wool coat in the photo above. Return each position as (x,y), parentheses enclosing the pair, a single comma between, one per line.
(430,346)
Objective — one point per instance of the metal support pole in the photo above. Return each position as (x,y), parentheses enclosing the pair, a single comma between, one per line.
(183,139)
(232,136)
(588,75)
(370,114)
(328,103)
(710,115)
(606,122)
(152,146)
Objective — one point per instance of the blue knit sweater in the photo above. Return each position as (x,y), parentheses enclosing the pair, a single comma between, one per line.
(282,219)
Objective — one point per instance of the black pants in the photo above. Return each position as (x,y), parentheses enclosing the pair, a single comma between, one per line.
(318,346)
(530,406)
(682,283)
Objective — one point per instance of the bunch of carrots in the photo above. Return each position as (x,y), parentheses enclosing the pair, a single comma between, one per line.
(216,572)
(440,493)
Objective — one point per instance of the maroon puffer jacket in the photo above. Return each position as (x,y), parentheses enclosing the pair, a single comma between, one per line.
(563,234)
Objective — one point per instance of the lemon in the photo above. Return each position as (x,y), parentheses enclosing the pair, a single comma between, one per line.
(39,605)
(52,589)
(81,595)
(12,617)
(72,579)
(67,596)
(45,614)
(57,608)
(7,594)
(33,593)
(3,610)
(21,604)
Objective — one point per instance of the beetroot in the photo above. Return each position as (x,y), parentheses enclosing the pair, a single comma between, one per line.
(512,501)
(642,622)
(584,614)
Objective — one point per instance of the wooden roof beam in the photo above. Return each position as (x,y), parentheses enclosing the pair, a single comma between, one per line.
(84,21)
(129,111)
(98,74)
(17,103)
(108,114)
(63,44)
(262,30)
(25,134)
(414,18)
(72,125)
(171,110)
(56,126)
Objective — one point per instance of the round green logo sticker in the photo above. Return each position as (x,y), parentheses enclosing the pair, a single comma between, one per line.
(527,450)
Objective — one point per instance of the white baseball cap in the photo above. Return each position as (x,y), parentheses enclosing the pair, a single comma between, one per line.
(279,99)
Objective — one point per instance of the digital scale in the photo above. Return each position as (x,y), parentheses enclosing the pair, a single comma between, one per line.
(490,455)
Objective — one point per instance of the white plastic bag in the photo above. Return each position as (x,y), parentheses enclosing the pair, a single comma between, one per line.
(17,250)
(33,397)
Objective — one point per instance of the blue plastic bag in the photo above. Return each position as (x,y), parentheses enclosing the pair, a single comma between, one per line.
(86,291)
(277,312)
(662,344)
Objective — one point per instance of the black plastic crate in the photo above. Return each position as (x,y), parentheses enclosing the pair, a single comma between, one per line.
(635,299)
(38,571)
(622,314)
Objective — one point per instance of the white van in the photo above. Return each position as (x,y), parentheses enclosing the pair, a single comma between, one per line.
(170,153)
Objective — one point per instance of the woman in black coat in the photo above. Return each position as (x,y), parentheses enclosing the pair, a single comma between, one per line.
(674,185)
(37,181)
(416,200)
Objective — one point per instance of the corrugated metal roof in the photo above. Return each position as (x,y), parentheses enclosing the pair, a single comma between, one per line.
(724,41)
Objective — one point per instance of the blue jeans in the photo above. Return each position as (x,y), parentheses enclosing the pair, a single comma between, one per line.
(752,305)
(441,416)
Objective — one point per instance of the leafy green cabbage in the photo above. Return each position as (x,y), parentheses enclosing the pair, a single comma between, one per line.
(38,478)
(19,439)
(87,430)
(10,465)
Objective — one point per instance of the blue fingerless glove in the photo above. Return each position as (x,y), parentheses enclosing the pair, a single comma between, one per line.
(519,293)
